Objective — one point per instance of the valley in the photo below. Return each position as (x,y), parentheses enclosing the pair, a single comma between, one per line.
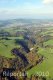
(27,47)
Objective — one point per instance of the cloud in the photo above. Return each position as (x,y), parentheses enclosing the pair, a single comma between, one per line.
(47,1)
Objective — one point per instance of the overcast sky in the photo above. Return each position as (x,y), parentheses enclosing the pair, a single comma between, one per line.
(38,9)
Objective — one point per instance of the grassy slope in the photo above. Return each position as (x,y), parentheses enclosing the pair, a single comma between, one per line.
(49,31)
(49,42)
(47,64)
(6,50)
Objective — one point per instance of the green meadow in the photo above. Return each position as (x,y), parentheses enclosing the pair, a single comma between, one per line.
(7,45)
(46,65)
(45,68)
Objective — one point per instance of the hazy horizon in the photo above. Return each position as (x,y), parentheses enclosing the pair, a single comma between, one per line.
(26,9)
